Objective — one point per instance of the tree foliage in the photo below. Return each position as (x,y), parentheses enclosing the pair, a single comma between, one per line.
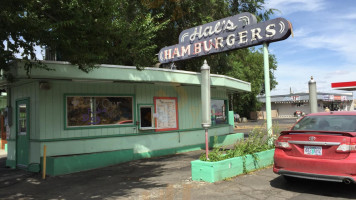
(128,32)
(248,66)
(81,32)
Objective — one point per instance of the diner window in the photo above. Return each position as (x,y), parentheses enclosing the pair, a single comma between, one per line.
(99,110)
(218,112)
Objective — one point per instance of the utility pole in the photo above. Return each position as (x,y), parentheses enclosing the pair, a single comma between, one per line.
(267,90)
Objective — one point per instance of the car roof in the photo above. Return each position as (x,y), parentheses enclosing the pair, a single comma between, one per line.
(333,113)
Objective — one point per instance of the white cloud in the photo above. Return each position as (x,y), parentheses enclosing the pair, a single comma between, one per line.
(300,32)
(334,32)
(339,42)
(351,16)
(337,73)
(296,77)
(292,6)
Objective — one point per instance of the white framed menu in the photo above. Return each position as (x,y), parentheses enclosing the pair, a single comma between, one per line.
(166,113)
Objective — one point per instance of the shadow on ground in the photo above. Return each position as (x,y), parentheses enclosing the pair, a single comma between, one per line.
(314,187)
(118,181)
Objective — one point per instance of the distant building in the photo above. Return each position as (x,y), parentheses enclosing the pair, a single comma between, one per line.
(52,55)
(286,105)
(349,86)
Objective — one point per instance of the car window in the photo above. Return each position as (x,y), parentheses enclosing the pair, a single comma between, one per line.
(345,123)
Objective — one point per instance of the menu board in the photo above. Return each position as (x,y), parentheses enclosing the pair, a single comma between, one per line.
(166,113)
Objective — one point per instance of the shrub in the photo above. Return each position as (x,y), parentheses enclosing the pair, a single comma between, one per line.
(257,141)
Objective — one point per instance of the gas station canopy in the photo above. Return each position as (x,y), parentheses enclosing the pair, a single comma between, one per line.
(349,86)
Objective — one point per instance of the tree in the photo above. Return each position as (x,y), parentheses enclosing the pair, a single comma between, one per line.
(82,32)
(248,66)
(128,32)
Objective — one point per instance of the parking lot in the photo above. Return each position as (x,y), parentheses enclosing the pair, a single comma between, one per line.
(277,125)
(165,177)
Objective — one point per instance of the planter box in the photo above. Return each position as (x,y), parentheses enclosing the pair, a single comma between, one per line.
(217,171)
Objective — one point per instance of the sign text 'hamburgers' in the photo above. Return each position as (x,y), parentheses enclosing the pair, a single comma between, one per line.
(230,33)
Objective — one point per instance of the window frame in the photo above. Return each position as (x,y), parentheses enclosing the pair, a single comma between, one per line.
(226,111)
(65,113)
(139,116)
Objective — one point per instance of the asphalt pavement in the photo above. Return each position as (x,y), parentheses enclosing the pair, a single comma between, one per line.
(165,177)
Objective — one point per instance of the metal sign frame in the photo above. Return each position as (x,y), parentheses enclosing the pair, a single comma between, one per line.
(225,35)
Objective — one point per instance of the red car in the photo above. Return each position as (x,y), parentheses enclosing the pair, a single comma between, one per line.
(320,146)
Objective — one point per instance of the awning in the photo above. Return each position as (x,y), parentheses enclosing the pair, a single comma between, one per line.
(118,74)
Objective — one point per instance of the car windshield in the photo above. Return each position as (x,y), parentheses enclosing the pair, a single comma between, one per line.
(344,123)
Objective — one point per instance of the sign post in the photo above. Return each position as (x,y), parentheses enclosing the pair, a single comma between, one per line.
(235,32)
(267,90)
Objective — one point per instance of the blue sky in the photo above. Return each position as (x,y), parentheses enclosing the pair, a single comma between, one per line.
(323,46)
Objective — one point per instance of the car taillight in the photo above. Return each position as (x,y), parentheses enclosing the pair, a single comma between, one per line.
(282,145)
(346,148)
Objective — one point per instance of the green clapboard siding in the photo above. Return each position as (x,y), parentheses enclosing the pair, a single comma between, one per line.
(140,143)
(59,165)
(47,120)
(11,163)
(69,164)
(52,113)
(20,92)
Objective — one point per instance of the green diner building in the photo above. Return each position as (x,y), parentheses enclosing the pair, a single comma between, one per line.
(111,115)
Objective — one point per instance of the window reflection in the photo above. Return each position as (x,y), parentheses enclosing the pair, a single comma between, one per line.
(22,119)
(218,112)
(101,110)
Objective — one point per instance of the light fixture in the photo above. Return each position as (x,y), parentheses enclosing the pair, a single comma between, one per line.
(44,85)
